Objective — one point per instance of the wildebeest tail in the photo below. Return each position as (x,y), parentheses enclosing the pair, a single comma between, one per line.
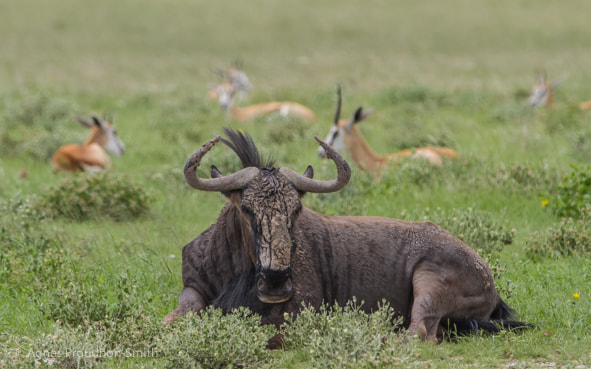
(500,319)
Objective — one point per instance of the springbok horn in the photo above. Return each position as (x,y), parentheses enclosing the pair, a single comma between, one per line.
(230,182)
(306,184)
(337,114)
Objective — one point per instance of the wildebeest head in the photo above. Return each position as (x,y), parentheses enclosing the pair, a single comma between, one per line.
(269,200)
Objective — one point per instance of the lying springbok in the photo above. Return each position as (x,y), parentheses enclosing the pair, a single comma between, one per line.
(91,155)
(543,92)
(226,92)
(234,76)
(344,136)
(268,252)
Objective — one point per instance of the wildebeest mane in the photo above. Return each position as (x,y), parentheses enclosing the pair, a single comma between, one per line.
(243,145)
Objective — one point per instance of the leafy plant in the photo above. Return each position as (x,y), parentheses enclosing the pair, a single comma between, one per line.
(345,337)
(92,295)
(476,228)
(36,125)
(96,196)
(214,340)
(572,236)
(574,193)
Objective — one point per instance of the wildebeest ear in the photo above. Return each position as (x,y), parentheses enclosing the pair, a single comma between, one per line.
(309,172)
(215,172)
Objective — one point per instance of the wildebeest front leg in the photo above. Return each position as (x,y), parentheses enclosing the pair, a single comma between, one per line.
(189,300)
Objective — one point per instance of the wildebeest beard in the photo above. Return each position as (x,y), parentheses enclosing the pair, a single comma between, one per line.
(240,291)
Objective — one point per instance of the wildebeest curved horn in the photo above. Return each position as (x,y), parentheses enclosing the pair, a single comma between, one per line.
(306,184)
(230,182)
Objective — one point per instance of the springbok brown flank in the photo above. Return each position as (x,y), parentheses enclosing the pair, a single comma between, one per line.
(92,155)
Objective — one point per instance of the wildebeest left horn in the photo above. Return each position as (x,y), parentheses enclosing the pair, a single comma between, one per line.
(230,182)
(306,184)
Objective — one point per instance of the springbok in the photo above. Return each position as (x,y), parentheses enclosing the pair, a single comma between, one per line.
(234,76)
(226,92)
(345,137)
(91,155)
(543,92)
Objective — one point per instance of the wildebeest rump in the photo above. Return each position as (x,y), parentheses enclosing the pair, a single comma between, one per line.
(268,252)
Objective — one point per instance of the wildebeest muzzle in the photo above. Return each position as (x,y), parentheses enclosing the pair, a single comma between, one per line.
(274,287)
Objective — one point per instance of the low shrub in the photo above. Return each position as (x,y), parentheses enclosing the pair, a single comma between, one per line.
(29,252)
(476,228)
(89,345)
(346,337)
(214,340)
(93,294)
(97,196)
(36,125)
(572,236)
(573,194)
(64,347)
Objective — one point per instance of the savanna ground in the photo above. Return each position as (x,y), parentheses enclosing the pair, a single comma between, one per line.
(89,266)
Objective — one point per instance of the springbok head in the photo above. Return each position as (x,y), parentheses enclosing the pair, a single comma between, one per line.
(236,76)
(225,92)
(543,92)
(341,129)
(104,134)
(269,201)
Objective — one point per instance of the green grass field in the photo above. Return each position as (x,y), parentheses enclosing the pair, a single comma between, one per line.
(453,73)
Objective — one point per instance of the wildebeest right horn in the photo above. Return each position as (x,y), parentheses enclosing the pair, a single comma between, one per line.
(230,182)
(306,184)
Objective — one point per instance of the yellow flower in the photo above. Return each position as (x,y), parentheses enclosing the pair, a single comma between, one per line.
(544,202)
(576,295)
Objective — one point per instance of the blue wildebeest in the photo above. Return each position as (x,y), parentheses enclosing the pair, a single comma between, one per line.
(269,253)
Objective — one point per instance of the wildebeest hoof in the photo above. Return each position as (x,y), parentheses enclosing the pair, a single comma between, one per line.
(276,342)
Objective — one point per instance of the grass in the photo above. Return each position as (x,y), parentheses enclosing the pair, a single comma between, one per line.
(455,73)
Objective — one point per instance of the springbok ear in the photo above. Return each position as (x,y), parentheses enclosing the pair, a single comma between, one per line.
(365,114)
(309,172)
(83,122)
(97,121)
(355,118)
(215,172)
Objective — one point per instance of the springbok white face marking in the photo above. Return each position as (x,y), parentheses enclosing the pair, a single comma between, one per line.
(225,95)
(540,93)
(239,79)
(335,139)
(114,144)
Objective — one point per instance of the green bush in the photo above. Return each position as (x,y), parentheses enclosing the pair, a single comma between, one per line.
(214,340)
(29,253)
(36,125)
(93,295)
(346,337)
(97,196)
(477,228)
(574,193)
(572,236)
(64,347)
(92,345)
